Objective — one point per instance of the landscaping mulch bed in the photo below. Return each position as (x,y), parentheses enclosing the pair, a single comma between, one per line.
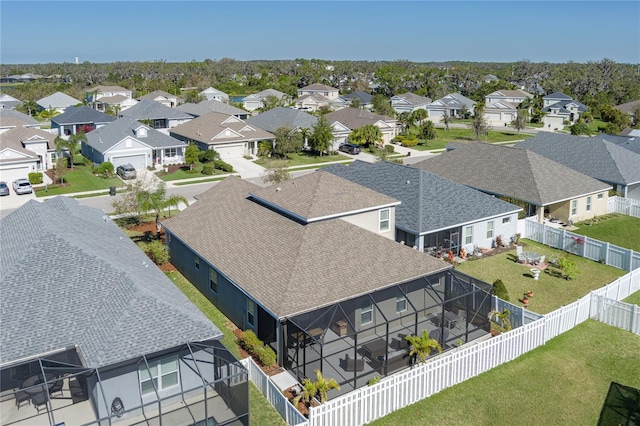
(302,407)
(269,370)
(150,227)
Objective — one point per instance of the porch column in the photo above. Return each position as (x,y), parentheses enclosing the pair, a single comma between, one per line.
(540,214)
(420,243)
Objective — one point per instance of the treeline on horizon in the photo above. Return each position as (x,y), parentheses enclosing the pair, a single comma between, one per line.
(594,83)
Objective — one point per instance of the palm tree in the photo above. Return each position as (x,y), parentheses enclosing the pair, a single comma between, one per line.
(157,201)
(419,115)
(421,346)
(323,386)
(71,145)
(174,200)
(503,317)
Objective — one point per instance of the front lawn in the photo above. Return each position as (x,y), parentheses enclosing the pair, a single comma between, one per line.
(564,382)
(80,179)
(617,229)
(185,173)
(443,137)
(550,292)
(304,158)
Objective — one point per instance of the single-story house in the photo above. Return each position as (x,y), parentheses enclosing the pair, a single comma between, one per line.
(489,78)
(560,108)
(100,97)
(256,100)
(453,104)
(435,212)
(547,188)
(79,119)
(8,101)
(128,141)
(212,94)
(348,119)
(409,102)
(594,156)
(312,102)
(311,266)
(107,338)
(230,136)
(364,100)
(57,102)
(205,107)
(279,117)
(10,119)
(629,141)
(628,108)
(24,150)
(165,98)
(156,115)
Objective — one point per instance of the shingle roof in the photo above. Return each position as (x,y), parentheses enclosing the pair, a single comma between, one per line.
(428,202)
(107,136)
(270,92)
(19,134)
(293,268)
(511,93)
(354,118)
(628,107)
(104,89)
(629,142)
(558,95)
(71,278)
(6,114)
(413,99)
(454,100)
(283,117)
(518,173)
(593,156)
(57,100)
(161,93)
(365,98)
(318,87)
(212,105)
(212,129)
(152,110)
(82,114)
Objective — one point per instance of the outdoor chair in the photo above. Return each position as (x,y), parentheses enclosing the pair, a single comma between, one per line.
(39,400)
(57,387)
(21,396)
(349,364)
(521,258)
(541,260)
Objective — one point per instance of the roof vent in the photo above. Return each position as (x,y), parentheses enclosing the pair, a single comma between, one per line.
(278,189)
(408,182)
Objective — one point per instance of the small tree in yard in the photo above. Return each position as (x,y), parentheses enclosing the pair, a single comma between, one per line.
(446,119)
(158,252)
(427,131)
(192,155)
(479,125)
(60,170)
(522,118)
(501,319)
(157,201)
(276,172)
(569,267)
(322,136)
(420,347)
(71,145)
(500,290)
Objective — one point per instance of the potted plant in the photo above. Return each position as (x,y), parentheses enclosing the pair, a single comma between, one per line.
(529,293)
(500,320)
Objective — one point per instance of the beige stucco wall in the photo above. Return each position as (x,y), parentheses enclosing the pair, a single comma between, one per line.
(371,222)
(562,211)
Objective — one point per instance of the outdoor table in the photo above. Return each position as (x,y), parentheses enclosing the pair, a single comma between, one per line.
(531,256)
(29,385)
(375,349)
(450,319)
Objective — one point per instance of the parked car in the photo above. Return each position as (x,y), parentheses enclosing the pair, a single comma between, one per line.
(126,171)
(4,189)
(349,148)
(22,186)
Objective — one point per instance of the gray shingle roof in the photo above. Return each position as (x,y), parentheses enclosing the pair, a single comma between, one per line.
(9,114)
(57,100)
(70,278)
(628,107)
(365,98)
(279,117)
(593,156)
(107,136)
(81,115)
(287,266)
(413,99)
(19,134)
(354,118)
(558,95)
(212,105)
(212,129)
(147,109)
(518,173)
(162,93)
(629,142)
(428,202)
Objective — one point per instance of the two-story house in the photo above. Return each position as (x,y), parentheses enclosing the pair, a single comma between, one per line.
(560,109)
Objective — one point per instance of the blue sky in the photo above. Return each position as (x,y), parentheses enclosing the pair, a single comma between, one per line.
(180,31)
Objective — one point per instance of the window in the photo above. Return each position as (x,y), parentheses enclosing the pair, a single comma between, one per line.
(251,308)
(213,280)
(401,303)
(170,152)
(490,229)
(588,203)
(574,207)
(163,373)
(468,234)
(384,220)
(196,261)
(366,312)
(600,196)
(506,220)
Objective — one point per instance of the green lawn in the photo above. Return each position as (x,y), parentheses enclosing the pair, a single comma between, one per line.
(564,382)
(200,181)
(305,158)
(185,173)
(443,137)
(633,298)
(79,179)
(550,292)
(613,228)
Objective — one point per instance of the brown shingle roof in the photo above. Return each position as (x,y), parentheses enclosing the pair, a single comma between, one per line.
(286,266)
(216,128)
(19,134)
(354,118)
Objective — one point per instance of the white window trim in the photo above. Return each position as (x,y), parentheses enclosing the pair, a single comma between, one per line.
(159,374)
(589,204)
(399,299)
(506,220)
(387,220)
(469,235)
(574,207)
(251,315)
(213,278)
(490,231)
(196,263)
(364,310)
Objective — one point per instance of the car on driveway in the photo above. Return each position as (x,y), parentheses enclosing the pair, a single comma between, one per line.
(4,189)
(349,148)
(22,186)
(126,171)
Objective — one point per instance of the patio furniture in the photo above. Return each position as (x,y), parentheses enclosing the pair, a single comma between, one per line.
(521,258)
(450,319)
(21,396)
(535,272)
(375,349)
(531,257)
(57,387)
(35,384)
(350,364)
(340,328)
(541,260)
(39,400)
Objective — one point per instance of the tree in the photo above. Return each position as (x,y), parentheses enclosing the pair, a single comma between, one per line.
(60,169)
(264,148)
(419,115)
(407,120)
(323,386)
(276,172)
(370,134)
(305,134)
(446,119)
(420,347)
(287,141)
(128,203)
(322,136)
(71,145)
(382,105)
(521,121)
(427,131)
(192,155)
(157,201)
(479,125)
(501,319)
(48,114)
(355,103)
(636,117)
(580,129)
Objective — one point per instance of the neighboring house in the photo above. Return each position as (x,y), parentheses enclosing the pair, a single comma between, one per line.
(24,150)
(9,102)
(57,102)
(79,118)
(256,100)
(279,117)
(101,97)
(157,115)
(10,119)
(560,108)
(20,78)
(129,141)
(328,92)
(211,94)
(501,107)
(409,102)
(311,266)
(628,108)
(115,339)
(365,101)
(165,98)
(347,119)
(489,78)
(205,107)
(548,189)
(315,97)
(634,133)
(435,211)
(228,135)
(512,96)
(598,157)
(453,104)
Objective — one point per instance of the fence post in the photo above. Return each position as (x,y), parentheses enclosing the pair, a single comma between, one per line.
(634,324)
(564,234)
(630,260)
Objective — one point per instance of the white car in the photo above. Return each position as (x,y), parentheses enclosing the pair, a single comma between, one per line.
(22,186)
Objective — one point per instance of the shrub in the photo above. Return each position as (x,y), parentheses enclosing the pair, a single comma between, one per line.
(266,355)
(263,353)
(221,165)
(500,290)
(409,142)
(208,156)
(390,149)
(569,268)
(104,169)
(35,178)
(207,169)
(158,252)
(580,129)
(374,380)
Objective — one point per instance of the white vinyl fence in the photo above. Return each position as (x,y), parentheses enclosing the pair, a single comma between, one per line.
(624,205)
(618,314)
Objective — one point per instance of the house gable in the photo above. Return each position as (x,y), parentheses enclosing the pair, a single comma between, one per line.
(128,144)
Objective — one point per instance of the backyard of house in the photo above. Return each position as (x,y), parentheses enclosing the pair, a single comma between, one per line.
(618,229)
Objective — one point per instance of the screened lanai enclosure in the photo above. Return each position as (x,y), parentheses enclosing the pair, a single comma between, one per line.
(199,383)
(358,339)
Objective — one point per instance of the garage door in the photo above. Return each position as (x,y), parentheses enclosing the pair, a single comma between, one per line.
(9,174)
(230,151)
(492,117)
(137,161)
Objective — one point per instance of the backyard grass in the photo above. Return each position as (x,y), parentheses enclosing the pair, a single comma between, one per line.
(618,229)
(564,382)
(550,292)
(443,137)
(304,158)
(79,179)
(634,298)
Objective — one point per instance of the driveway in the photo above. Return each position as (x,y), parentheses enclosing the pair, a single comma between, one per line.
(9,203)
(246,168)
